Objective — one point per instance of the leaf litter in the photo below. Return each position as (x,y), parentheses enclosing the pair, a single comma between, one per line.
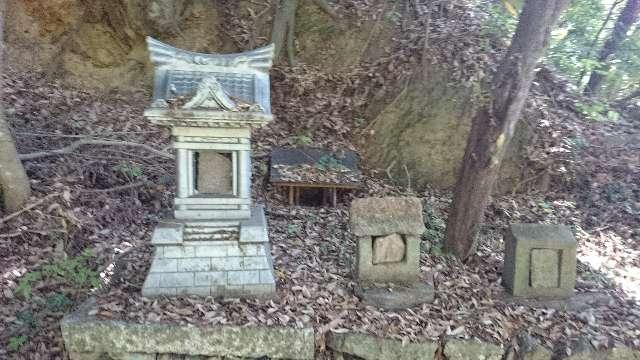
(579,173)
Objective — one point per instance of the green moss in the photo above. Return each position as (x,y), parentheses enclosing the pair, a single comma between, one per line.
(424,129)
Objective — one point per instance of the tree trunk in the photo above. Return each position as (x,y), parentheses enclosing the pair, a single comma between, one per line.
(13,179)
(284,25)
(596,38)
(627,18)
(284,28)
(494,124)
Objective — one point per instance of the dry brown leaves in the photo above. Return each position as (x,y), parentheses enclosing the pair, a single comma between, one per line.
(591,183)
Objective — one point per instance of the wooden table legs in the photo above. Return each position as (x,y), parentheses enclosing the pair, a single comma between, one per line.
(329,195)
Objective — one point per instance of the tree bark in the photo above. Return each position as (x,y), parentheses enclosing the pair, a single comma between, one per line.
(13,179)
(625,21)
(284,28)
(494,123)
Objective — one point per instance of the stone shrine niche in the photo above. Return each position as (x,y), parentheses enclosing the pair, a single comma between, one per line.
(215,173)
(217,241)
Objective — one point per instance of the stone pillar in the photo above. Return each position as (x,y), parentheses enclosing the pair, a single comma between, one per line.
(182,175)
(244,174)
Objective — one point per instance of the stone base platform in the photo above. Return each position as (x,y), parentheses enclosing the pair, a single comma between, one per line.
(212,258)
(88,338)
(398,298)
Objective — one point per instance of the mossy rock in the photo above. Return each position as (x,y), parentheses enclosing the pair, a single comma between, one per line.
(425,129)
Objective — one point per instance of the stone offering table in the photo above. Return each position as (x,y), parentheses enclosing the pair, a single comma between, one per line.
(217,243)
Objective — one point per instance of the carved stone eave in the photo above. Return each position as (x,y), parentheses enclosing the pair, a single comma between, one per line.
(206,118)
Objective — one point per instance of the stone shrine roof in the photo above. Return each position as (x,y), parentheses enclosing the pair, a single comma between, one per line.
(209,90)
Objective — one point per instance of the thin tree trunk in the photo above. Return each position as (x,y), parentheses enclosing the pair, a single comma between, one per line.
(13,179)
(596,38)
(627,18)
(284,26)
(283,29)
(494,123)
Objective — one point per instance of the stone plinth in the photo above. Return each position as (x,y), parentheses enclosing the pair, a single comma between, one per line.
(212,258)
(539,260)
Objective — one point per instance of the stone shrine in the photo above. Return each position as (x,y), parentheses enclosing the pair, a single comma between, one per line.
(217,242)
(539,260)
(388,234)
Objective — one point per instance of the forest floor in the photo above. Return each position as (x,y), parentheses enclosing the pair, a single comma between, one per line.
(107,198)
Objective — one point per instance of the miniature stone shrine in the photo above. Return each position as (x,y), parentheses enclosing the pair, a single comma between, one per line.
(309,173)
(539,260)
(217,243)
(388,234)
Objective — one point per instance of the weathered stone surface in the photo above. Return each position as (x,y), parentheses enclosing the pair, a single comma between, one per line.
(83,333)
(215,175)
(370,347)
(539,260)
(110,356)
(419,134)
(528,348)
(388,215)
(398,298)
(545,264)
(168,233)
(388,249)
(403,272)
(618,353)
(101,43)
(471,350)
(577,303)
(623,353)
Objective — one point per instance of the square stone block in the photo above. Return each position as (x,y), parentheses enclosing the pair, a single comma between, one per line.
(168,233)
(539,260)
(387,215)
(401,272)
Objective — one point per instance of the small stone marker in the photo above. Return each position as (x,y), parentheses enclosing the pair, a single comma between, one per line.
(539,260)
(388,233)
